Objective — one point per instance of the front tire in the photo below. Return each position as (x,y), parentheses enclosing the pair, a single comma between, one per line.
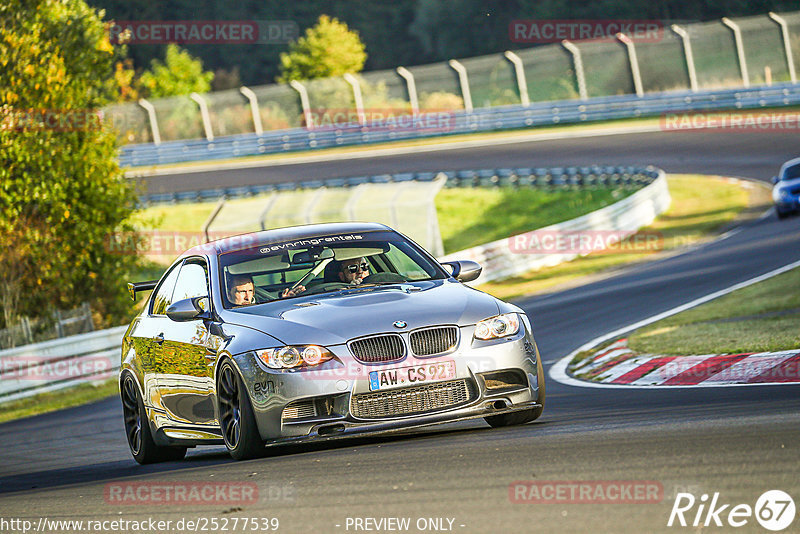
(137,428)
(524,416)
(236,419)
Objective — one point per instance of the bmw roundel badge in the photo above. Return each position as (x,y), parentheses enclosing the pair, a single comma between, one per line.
(400,324)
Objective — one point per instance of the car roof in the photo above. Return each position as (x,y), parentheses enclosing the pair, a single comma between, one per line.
(290,233)
(790,163)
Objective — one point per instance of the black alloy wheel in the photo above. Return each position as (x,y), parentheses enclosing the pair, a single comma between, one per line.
(137,429)
(236,419)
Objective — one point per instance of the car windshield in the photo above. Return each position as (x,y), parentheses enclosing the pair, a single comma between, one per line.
(792,172)
(332,263)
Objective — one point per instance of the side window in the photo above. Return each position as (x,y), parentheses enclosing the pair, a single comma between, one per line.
(192,281)
(163,296)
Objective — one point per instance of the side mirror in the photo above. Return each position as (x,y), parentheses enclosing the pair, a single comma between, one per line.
(465,270)
(774,180)
(189,309)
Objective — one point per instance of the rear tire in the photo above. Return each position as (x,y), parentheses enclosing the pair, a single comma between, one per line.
(236,419)
(137,428)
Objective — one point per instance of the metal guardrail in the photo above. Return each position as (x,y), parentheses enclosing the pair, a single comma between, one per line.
(59,363)
(533,177)
(461,122)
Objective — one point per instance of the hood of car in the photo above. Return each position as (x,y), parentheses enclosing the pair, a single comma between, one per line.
(332,319)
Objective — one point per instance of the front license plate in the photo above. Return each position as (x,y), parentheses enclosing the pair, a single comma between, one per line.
(405,376)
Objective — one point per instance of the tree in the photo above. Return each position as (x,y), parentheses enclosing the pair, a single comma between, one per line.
(328,49)
(180,74)
(62,193)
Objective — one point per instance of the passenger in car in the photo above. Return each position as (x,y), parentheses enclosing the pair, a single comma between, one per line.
(353,271)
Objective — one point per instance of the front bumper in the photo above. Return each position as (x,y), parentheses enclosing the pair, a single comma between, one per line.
(344,428)
(271,392)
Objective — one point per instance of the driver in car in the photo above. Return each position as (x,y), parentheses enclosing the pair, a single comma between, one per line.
(242,291)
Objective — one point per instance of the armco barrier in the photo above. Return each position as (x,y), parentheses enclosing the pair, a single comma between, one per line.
(538,178)
(461,122)
(499,260)
(59,363)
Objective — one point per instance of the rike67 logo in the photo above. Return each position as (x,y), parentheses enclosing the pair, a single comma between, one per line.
(774,510)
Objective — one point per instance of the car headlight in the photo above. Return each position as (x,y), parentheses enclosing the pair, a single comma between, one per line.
(294,356)
(784,193)
(498,326)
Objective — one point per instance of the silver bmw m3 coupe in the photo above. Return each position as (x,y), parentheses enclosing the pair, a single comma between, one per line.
(314,333)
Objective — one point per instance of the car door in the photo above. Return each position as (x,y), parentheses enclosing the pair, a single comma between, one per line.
(146,339)
(188,354)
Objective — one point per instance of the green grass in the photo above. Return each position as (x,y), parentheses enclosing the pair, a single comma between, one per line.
(57,400)
(701,205)
(467,217)
(472,217)
(762,317)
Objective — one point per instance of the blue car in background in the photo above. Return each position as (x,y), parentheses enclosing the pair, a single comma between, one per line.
(786,193)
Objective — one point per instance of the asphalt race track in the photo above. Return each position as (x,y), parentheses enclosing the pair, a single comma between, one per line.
(729,153)
(737,441)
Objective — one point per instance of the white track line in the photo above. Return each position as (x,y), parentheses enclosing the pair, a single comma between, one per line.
(558,372)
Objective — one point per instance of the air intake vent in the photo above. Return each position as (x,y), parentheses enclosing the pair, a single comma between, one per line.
(378,349)
(413,400)
(437,340)
(299,410)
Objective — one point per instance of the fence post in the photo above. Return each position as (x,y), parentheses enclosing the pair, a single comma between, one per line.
(353,81)
(519,70)
(59,326)
(312,204)
(210,220)
(434,234)
(787,45)
(251,96)
(412,89)
(687,52)
(352,201)
(737,39)
(151,115)
(88,311)
(464,81)
(580,78)
(262,217)
(204,115)
(26,331)
(634,63)
(301,89)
